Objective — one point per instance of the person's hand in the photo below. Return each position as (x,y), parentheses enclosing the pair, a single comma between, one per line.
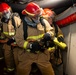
(34,46)
(60,39)
(47,37)
(45,41)
(10,41)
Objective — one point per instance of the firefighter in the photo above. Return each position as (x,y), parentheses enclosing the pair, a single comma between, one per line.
(31,39)
(1,45)
(11,21)
(54,48)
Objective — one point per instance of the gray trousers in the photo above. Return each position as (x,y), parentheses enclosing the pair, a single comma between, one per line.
(58,69)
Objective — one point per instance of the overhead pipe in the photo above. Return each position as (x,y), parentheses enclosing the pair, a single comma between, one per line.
(45,4)
(66,21)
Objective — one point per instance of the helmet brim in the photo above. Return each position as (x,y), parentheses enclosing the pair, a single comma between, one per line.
(23,12)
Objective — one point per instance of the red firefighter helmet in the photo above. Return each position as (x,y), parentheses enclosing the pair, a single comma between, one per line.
(4,7)
(31,9)
(47,12)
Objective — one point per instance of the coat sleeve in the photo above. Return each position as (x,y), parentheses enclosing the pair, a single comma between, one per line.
(17,21)
(62,38)
(19,37)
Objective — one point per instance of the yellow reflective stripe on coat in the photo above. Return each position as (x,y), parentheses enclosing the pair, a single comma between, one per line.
(35,37)
(32,37)
(25,44)
(11,33)
(51,49)
(6,33)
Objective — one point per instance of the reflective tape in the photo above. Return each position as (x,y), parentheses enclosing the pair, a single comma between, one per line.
(7,33)
(25,44)
(35,37)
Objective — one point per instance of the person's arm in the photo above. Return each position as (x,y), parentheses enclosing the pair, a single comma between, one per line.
(19,38)
(29,45)
(60,40)
(17,21)
(2,36)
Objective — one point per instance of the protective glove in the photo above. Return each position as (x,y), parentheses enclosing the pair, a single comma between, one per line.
(60,39)
(51,44)
(35,46)
(47,37)
(10,41)
(46,40)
